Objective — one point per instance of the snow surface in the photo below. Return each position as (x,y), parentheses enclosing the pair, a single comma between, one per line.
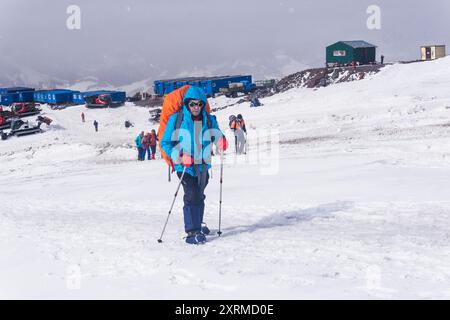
(352,203)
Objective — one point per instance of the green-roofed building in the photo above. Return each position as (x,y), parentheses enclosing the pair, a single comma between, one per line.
(345,52)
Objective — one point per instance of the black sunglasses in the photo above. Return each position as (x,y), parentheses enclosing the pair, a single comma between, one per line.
(193,104)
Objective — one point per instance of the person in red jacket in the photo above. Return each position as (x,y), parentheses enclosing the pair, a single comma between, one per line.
(153,139)
(146,146)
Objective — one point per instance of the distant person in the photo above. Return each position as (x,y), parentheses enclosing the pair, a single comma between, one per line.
(153,140)
(242,133)
(382,59)
(238,126)
(138,142)
(232,126)
(96,125)
(255,102)
(146,146)
(82,117)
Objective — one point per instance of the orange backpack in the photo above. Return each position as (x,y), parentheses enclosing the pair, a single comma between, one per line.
(173,103)
(237,124)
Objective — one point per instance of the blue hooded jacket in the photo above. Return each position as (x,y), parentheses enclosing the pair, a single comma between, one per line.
(138,141)
(194,136)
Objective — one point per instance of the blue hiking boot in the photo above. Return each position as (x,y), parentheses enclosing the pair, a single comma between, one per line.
(205,229)
(195,238)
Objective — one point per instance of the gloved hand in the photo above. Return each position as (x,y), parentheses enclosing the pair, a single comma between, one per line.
(222,144)
(186,160)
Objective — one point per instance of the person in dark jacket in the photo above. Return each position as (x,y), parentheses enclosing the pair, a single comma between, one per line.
(96,125)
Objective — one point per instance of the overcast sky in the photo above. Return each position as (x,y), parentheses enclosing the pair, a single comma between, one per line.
(125,41)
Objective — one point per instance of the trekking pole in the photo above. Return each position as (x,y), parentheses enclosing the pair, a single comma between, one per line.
(169,172)
(246,144)
(171,207)
(220,201)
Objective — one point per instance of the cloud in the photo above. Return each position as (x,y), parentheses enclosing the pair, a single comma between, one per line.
(122,42)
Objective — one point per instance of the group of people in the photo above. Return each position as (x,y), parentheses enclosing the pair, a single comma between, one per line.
(237,124)
(146,145)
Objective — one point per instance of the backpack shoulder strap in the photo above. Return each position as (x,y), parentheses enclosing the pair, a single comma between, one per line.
(208,120)
(209,124)
(179,119)
(177,126)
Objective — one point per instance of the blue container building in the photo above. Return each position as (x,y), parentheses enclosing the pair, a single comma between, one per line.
(211,85)
(8,99)
(26,96)
(38,96)
(78,98)
(11,95)
(14,90)
(56,96)
(60,96)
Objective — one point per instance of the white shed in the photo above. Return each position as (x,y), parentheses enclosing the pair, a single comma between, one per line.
(433,52)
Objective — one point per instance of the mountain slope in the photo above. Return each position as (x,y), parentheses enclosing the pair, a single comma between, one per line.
(352,202)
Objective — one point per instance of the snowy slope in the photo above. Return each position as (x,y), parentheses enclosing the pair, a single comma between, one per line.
(352,202)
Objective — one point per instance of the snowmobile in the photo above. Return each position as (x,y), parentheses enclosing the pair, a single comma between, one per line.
(5,122)
(21,128)
(6,114)
(23,109)
(103,100)
(150,101)
(155,115)
(234,89)
(17,110)
(5,118)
